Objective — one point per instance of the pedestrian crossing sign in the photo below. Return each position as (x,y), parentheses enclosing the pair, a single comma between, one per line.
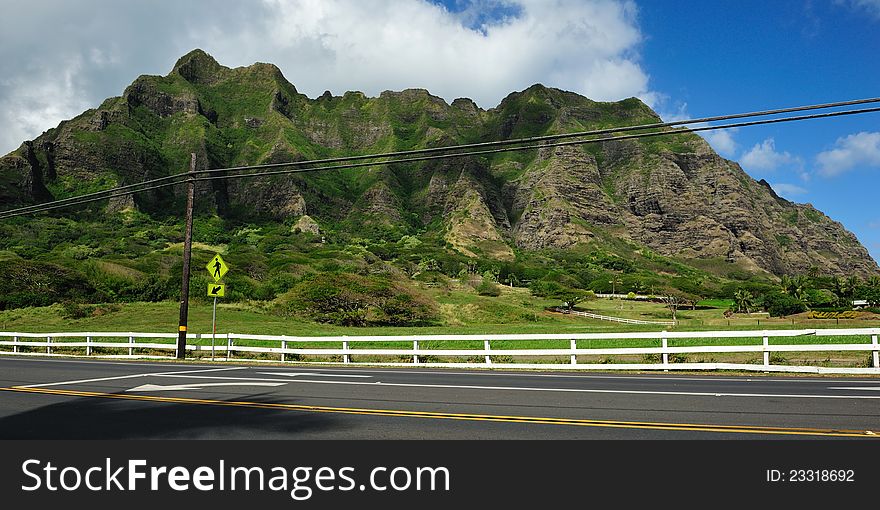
(217,267)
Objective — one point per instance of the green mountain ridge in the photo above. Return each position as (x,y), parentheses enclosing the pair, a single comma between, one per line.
(662,202)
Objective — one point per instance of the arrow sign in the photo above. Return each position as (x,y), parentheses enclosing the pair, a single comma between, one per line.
(216,289)
(198,386)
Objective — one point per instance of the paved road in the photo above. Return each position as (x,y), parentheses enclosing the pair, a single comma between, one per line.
(65,398)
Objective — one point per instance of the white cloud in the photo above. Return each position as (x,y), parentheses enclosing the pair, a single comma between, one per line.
(788,190)
(721,140)
(30,107)
(589,47)
(860,149)
(872,7)
(764,156)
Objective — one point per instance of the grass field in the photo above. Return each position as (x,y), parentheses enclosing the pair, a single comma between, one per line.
(461,312)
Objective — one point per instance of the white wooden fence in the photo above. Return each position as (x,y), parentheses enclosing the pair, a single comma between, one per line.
(612,319)
(415,349)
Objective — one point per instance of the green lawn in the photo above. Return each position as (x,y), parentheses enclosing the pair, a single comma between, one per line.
(462,312)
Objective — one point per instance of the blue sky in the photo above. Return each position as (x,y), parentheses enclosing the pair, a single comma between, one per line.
(720,57)
(687,59)
(707,58)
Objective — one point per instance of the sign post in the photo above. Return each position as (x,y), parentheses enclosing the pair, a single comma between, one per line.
(213,328)
(216,268)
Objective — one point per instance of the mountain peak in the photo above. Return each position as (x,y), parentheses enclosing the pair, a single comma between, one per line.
(197,67)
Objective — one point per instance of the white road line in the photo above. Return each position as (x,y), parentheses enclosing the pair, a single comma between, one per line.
(525,388)
(313,374)
(869,388)
(198,386)
(82,381)
(794,379)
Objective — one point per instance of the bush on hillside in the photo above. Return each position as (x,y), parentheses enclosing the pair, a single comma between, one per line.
(347,299)
(779,304)
(544,288)
(28,283)
(488,288)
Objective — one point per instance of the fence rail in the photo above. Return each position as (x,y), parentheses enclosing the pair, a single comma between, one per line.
(418,350)
(612,319)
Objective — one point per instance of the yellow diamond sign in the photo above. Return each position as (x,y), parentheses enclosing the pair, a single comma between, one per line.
(217,268)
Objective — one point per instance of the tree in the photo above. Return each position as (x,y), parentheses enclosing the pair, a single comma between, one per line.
(640,287)
(779,304)
(744,300)
(785,284)
(571,297)
(488,287)
(615,281)
(852,284)
(872,296)
(675,300)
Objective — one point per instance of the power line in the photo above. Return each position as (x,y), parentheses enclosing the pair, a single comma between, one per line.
(103,194)
(555,136)
(542,146)
(181,178)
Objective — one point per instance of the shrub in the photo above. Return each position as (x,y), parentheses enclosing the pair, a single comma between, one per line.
(544,288)
(779,304)
(29,283)
(72,310)
(347,299)
(488,288)
(821,298)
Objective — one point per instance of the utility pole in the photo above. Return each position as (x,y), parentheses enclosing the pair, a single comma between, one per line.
(187,252)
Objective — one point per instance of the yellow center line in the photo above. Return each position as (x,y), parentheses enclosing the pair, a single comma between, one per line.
(740,429)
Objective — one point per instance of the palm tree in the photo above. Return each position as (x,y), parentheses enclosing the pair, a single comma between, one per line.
(788,284)
(840,286)
(852,284)
(615,280)
(783,283)
(800,293)
(743,299)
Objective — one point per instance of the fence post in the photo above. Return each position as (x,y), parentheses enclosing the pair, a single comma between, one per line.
(346,358)
(574,358)
(15,344)
(48,347)
(665,345)
(415,349)
(228,346)
(88,346)
(130,341)
(876,353)
(766,350)
(486,347)
(283,348)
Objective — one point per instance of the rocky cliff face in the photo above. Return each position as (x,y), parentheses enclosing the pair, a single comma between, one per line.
(671,195)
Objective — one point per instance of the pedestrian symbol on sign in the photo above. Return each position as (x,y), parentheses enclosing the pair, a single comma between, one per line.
(217,267)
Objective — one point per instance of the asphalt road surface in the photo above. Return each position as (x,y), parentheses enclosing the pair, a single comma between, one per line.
(78,399)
